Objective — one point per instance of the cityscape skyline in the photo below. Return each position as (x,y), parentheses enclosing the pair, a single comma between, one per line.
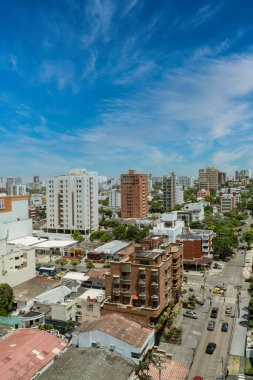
(156,87)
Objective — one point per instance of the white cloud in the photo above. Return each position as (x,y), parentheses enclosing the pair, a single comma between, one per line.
(60,72)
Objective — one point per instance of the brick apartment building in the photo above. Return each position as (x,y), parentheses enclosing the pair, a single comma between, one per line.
(198,247)
(143,284)
(134,195)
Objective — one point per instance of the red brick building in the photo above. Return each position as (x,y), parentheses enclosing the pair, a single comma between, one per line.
(134,195)
(142,286)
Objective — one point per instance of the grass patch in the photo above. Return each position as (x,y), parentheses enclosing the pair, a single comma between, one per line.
(249,366)
(234,364)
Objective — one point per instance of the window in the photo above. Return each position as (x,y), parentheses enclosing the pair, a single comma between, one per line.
(135,355)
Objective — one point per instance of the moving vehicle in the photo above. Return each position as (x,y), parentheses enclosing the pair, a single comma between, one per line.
(210,348)
(214,312)
(228,310)
(224,327)
(190,314)
(210,325)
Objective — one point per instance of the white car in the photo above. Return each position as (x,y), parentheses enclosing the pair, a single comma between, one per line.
(247,261)
(190,314)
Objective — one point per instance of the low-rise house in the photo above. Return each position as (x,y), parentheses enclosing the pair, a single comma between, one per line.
(25,353)
(168,227)
(96,278)
(95,363)
(114,249)
(198,248)
(88,305)
(117,333)
(17,264)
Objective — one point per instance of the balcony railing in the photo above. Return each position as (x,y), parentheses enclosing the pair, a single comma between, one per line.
(116,290)
(126,279)
(142,281)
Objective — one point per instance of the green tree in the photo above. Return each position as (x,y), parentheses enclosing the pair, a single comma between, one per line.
(6,299)
(77,236)
(177,207)
(90,265)
(96,235)
(248,237)
(75,262)
(106,237)
(62,262)
(42,214)
(120,232)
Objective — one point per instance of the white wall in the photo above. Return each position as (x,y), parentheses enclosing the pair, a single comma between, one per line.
(19,211)
(16,230)
(85,339)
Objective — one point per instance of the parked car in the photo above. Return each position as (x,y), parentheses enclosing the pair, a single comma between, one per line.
(198,378)
(210,325)
(228,310)
(210,348)
(214,312)
(218,291)
(224,327)
(190,314)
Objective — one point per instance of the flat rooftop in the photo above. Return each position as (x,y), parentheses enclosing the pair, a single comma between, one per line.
(112,247)
(26,351)
(148,254)
(26,241)
(89,364)
(55,244)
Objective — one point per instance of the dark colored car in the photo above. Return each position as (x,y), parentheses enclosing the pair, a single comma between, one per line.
(214,312)
(210,348)
(210,325)
(224,327)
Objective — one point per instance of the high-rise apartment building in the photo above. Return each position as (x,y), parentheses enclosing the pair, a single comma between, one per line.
(241,174)
(186,182)
(72,202)
(114,196)
(222,178)
(134,195)
(169,192)
(142,286)
(172,192)
(208,178)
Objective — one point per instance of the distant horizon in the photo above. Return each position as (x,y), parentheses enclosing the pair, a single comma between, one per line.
(108,85)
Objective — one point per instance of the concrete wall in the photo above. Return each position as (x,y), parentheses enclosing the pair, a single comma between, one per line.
(85,339)
(16,230)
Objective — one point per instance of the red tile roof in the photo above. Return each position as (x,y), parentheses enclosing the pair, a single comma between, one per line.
(120,327)
(97,273)
(170,370)
(27,351)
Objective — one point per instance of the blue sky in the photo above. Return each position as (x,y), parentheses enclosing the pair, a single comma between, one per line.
(108,85)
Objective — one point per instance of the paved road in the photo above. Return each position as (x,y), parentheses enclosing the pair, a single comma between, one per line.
(208,365)
(203,364)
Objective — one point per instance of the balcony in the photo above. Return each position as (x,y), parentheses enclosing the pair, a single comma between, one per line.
(126,279)
(142,295)
(142,281)
(116,280)
(116,290)
(154,283)
(155,297)
(126,291)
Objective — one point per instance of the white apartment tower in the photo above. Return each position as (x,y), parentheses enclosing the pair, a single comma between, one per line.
(72,202)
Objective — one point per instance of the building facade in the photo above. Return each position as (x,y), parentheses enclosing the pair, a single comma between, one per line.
(72,202)
(208,178)
(186,182)
(114,198)
(172,192)
(134,195)
(228,202)
(17,264)
(142,286)
(14,219)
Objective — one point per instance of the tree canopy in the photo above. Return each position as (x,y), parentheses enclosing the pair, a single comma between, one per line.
(6,299)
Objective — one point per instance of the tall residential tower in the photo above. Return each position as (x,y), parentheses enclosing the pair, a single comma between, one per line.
(134,195)
(72,202)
